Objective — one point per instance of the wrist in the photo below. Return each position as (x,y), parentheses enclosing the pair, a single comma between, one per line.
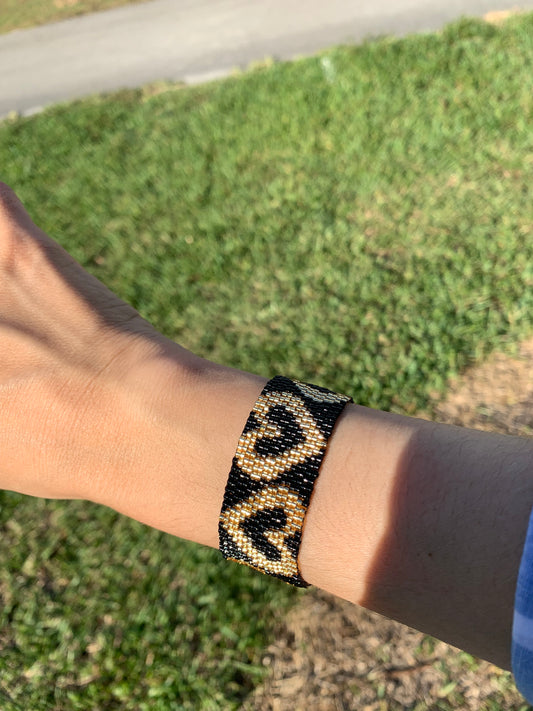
(178,419)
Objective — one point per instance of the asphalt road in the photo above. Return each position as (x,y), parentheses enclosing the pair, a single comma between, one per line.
(195,40)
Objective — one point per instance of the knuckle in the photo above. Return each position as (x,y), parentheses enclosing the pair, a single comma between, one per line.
(13,238)
(8,248)
(8,200)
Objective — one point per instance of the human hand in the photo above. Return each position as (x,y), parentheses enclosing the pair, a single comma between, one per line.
(68,347)
(96,404)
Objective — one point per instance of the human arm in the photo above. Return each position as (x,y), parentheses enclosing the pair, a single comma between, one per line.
(420,521)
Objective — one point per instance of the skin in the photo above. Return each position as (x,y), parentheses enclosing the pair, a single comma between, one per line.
(419,521)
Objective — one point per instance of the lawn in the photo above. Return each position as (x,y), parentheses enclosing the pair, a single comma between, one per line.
(361,219)
(18,14)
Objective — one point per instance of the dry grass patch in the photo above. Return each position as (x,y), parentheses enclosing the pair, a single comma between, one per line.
(497,17)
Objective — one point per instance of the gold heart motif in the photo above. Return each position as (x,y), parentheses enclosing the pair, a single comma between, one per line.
(267,498)
(260,467)
(317,395)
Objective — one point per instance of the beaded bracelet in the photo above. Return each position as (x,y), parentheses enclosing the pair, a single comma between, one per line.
(273,474)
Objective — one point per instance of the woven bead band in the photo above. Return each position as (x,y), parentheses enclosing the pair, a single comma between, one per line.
(273,474)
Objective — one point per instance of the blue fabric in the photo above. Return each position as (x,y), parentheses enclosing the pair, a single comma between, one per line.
(522,643)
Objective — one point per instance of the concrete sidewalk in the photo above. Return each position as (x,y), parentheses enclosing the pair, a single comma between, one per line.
(194,40)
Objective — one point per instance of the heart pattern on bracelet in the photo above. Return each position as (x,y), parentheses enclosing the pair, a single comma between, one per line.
(263,539)
(286,434)
(273,474)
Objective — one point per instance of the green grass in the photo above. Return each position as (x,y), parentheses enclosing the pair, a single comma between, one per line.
(99,612)
(361,219)
(19,14)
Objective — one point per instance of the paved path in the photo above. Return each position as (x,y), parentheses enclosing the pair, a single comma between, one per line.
(193,40)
